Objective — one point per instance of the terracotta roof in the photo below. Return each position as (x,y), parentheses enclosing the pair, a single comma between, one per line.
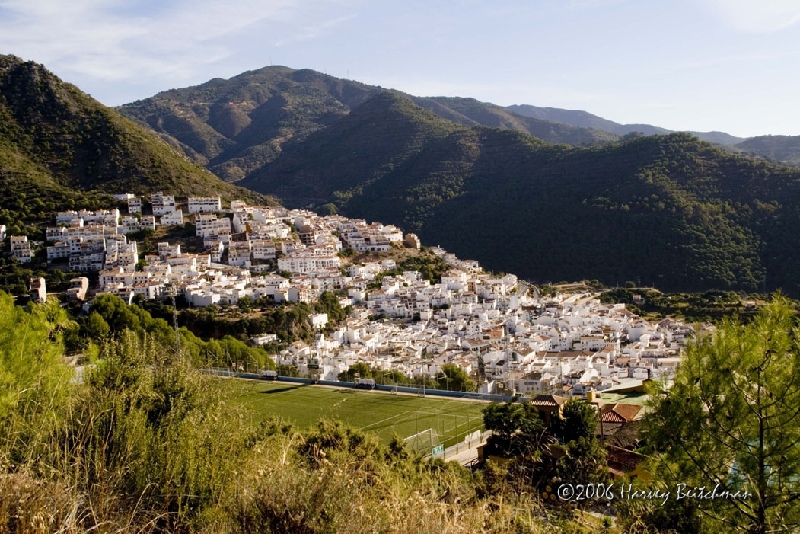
(620,413)
(548,400)
(612,417)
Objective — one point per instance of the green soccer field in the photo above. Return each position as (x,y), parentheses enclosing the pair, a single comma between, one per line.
(427,421)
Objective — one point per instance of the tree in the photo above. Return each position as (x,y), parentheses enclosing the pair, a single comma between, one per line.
(584,458)
(357,370)
(287,370)
(245,304)
(453,377)
(328,303)
(578,420)
(731,421)
(97,327)
(517,429)
(34,380)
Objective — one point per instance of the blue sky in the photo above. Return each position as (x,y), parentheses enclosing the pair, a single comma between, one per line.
(728,65)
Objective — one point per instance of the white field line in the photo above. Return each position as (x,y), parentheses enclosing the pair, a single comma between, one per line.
(386,419)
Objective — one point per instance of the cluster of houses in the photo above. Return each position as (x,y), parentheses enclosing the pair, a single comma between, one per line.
(516,343)
(494,327)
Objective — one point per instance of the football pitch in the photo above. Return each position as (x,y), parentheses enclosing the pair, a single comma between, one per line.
(423,421)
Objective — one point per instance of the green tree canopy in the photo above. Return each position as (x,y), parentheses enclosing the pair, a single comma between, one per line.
(732,420)
(357,370)
(579,420)
(584,458)
(35,386)
(517,429)
(452,377)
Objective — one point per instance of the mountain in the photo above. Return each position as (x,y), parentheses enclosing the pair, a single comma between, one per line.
(587,120)
(234,127)
(583,118)
(666,210)
(783,148)
(363,147)
(471,112)
(57,143)
(669,210)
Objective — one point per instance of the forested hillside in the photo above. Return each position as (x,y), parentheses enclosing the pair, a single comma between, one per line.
(782,148)
(666,210)
(235,127)
(57,144)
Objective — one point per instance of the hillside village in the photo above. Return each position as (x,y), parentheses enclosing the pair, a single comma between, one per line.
(494,327)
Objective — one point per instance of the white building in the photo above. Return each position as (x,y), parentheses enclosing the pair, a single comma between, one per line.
(319,320)
(38,289)
(303,264)
(134,206)
(263,249)
(207,225)
(204,204)
(162,204)
(165,250)
(263,339)
(172,219)
(21,248)
(78,287)
(58,251)
(239,253)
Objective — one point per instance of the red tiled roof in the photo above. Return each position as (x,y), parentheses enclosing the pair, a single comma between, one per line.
(612,417)
(547,400)
(620,413)
(628,411)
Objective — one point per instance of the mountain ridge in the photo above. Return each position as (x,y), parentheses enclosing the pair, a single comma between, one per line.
(589,120)
(671,210)
(236,126)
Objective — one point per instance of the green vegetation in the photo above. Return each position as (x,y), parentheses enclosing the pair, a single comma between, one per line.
(236,127)
(111,317)
(378,138)
(587,120)
(471,112)
(146,443)
(429,266)
(15,277)
(450,378)
(731,419)
(531,444)
(584,119)
(781,148)
(711,306)
(60,149)
(291,322)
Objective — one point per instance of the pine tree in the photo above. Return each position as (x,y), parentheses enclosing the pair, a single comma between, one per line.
(731,421)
